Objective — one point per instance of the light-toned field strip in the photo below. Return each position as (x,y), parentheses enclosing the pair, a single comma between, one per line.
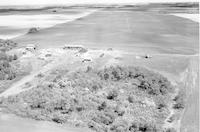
(41,21)
(193,17)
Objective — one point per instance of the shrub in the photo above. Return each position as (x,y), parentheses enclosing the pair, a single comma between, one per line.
(33,30)
(83,50)
(6,71)
(112,95)
(180,100)
(170,130)
(105,118)
(6,45)
(102,106)
(130,99)
(15,57)
(120,125)
(110,49)
(143,127)
(4,56)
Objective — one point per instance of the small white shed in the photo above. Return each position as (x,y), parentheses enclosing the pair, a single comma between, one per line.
(31,47)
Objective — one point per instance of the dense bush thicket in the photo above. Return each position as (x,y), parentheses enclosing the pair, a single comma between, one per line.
(180,100)
(115,99)
(154,84)
(6,45)
(170,130)
(6,70)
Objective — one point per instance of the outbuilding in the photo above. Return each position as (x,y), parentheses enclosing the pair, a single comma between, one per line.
(31,47)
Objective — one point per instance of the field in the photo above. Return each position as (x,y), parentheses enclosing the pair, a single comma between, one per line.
(161,33)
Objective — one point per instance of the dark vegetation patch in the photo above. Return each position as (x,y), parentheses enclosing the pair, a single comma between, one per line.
(10,69)
(180,100)
(170,130)
(148,81)
(6,70)
(6,45)
(33,30)
(186,7)
(114,99)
